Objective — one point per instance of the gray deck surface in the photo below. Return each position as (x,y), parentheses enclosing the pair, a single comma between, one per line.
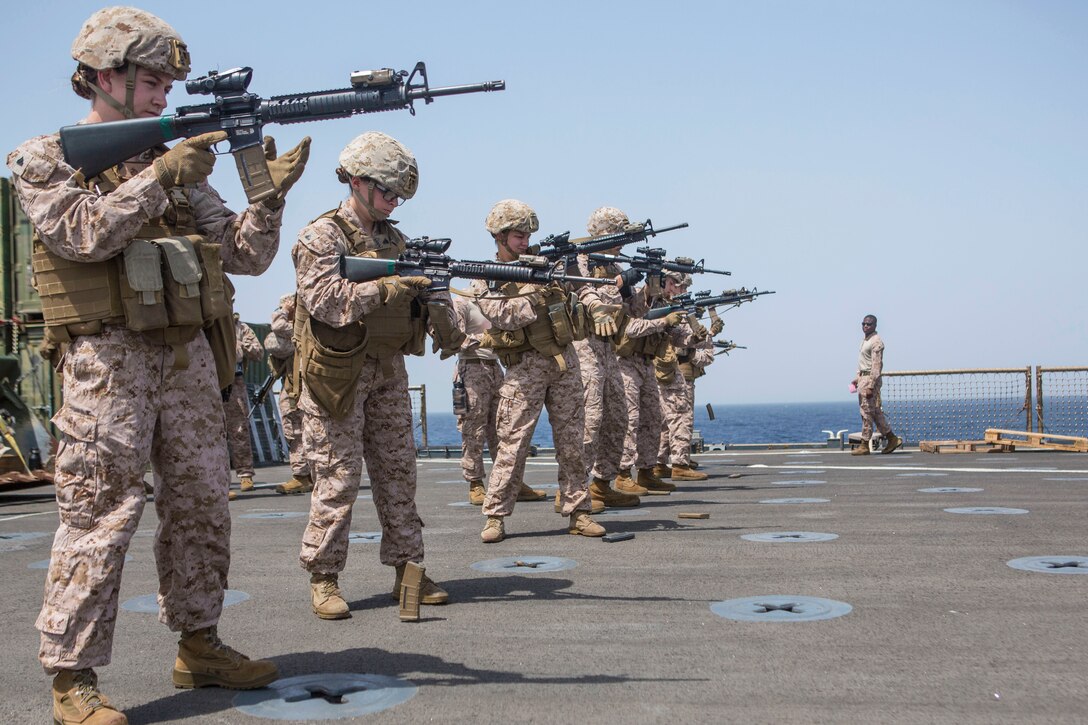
(941,631)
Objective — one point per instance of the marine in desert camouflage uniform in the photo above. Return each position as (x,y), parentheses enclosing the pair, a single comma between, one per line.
(677,396)
(476,382)
(236,404)
(141,380)
(281,358)
(606,409)
(693,362)
(638,341)
(351,340)
(531,330)
(868,379)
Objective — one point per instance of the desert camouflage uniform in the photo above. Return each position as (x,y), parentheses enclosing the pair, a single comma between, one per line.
(678,404)
(378,428)
(125,405)
(531,383)
(478,370)
(281,351)
(869,377)
(236,406)
(604,398)
(643,434)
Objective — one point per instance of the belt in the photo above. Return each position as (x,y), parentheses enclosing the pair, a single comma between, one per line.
(478,361)
(864,372)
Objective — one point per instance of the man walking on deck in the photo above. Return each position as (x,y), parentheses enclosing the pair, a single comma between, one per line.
(868,380)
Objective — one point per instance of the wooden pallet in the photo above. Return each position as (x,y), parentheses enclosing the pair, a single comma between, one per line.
(1027,439)
(962,447)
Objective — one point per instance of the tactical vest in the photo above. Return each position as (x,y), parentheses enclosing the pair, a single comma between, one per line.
(549,334)
(665,365)
(688,369)
(391,329)
(691,371)
(168,284)
(644,347)
(331,359)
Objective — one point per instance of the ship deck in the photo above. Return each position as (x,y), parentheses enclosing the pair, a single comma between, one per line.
(941,629)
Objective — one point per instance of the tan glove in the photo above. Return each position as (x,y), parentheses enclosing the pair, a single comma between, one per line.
(285,170)
(697,329)
(189,162)
(716,327)
(396,289)
(675,318)
(604,319)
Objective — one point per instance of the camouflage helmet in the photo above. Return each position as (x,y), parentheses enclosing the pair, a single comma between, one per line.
(118,35)
(511,215)
(383,159)
(680,278)
(606,220)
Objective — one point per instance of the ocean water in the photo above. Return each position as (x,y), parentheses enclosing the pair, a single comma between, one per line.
(756,423)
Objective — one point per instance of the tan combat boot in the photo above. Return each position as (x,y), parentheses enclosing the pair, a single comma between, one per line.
(686,473)
(595,506)
(429,592)
(626,484)
(245,483)
(494,531)
(297,485)
(893,442)
(77,701)
(582,525)
(530,494)
(662,471)
(204,661)
(476,492)
(862,449)
(654,486)
(599,490)
(231,495)
(325,597)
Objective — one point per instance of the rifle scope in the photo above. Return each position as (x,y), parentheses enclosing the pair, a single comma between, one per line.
(234,80)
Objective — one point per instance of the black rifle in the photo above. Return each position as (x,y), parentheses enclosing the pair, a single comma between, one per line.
(699,301)
(425,257)
(263,391)
(560,246)
(651,260)
(94,147)
(725,346)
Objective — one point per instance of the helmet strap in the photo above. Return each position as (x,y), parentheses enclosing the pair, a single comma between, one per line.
(128,110)
(130,91)
(502,240)
(367,201)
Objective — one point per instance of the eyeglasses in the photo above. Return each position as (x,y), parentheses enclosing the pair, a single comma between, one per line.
(388,194)
(867,324)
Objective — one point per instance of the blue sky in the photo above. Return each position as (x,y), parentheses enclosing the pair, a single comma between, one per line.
(926,162)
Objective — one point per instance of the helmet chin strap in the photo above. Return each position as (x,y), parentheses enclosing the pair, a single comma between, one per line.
(372,211)
(504,245)
(128,110)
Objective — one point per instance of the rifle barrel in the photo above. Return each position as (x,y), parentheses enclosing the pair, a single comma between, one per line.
(673,228)
(484,87)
